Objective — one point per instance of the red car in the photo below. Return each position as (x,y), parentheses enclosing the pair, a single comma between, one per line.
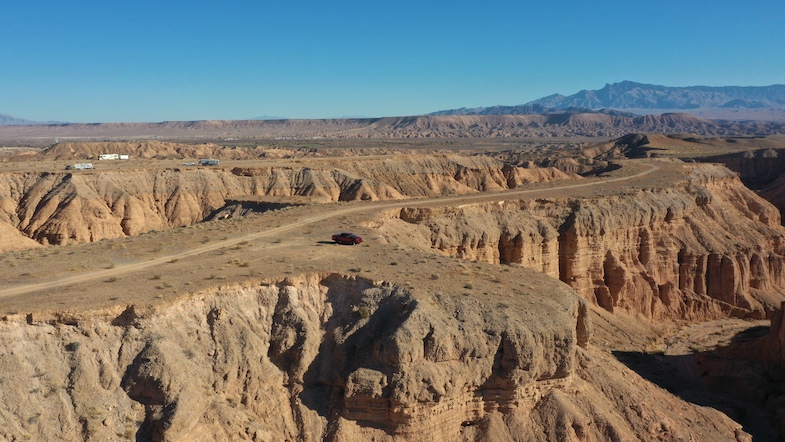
(347,238)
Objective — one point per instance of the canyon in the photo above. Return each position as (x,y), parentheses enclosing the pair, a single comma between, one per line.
(699,249)
(491,299)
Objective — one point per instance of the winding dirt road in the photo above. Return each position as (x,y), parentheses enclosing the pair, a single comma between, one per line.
(323,215)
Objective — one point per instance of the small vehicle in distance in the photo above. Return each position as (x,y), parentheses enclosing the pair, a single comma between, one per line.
(347,238)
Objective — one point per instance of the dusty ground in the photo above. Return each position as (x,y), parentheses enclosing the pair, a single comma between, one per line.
(158,266)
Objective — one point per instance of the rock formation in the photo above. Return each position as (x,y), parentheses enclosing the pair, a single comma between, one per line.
(445,126)
(62,208)
(334,358)
(706,248)
(762,170)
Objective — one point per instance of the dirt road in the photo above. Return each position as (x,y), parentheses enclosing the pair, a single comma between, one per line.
(327,213)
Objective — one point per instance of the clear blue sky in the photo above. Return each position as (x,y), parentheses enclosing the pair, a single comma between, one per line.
(100,61)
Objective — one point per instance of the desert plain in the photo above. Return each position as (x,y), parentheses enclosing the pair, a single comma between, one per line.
(578,285)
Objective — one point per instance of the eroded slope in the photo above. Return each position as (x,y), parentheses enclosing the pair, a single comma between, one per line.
(708,247)
(61,208)
(334,358)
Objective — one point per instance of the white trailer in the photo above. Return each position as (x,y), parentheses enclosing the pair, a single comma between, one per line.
(108,156)
(83,166)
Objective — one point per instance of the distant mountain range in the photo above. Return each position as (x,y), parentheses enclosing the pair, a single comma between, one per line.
(628,95)
(625,99)
(8,120)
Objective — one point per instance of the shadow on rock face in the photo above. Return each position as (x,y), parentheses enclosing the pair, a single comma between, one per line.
(730,379)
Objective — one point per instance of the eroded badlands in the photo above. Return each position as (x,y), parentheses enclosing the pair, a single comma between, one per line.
(488,301)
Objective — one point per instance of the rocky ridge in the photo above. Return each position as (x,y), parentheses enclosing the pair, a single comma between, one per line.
(325,357)
(762,170)
(61,208)
(706,248)
(442,126)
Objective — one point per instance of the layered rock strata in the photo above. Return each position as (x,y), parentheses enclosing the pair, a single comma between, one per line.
(762,170)
(63,208)
(332,358)
(708,247)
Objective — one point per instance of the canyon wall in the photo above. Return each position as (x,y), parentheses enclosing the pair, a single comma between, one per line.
(62,208)
(762,170)
(774,349)
(326,357)
(705,248)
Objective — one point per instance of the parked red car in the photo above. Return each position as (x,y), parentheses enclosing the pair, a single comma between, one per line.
(347,238)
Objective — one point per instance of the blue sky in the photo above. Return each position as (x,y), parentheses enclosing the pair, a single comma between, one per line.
(102,61)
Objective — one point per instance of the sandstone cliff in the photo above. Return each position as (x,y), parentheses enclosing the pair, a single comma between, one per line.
(334,358)
(762,170)
(62,208)
(708,247)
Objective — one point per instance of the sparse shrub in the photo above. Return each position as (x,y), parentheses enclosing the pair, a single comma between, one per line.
(394,263)
(173,260)
(468,285)
(112,279)
(356,270)
(434,276)
(363,311)
(72,346)
(155,277)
